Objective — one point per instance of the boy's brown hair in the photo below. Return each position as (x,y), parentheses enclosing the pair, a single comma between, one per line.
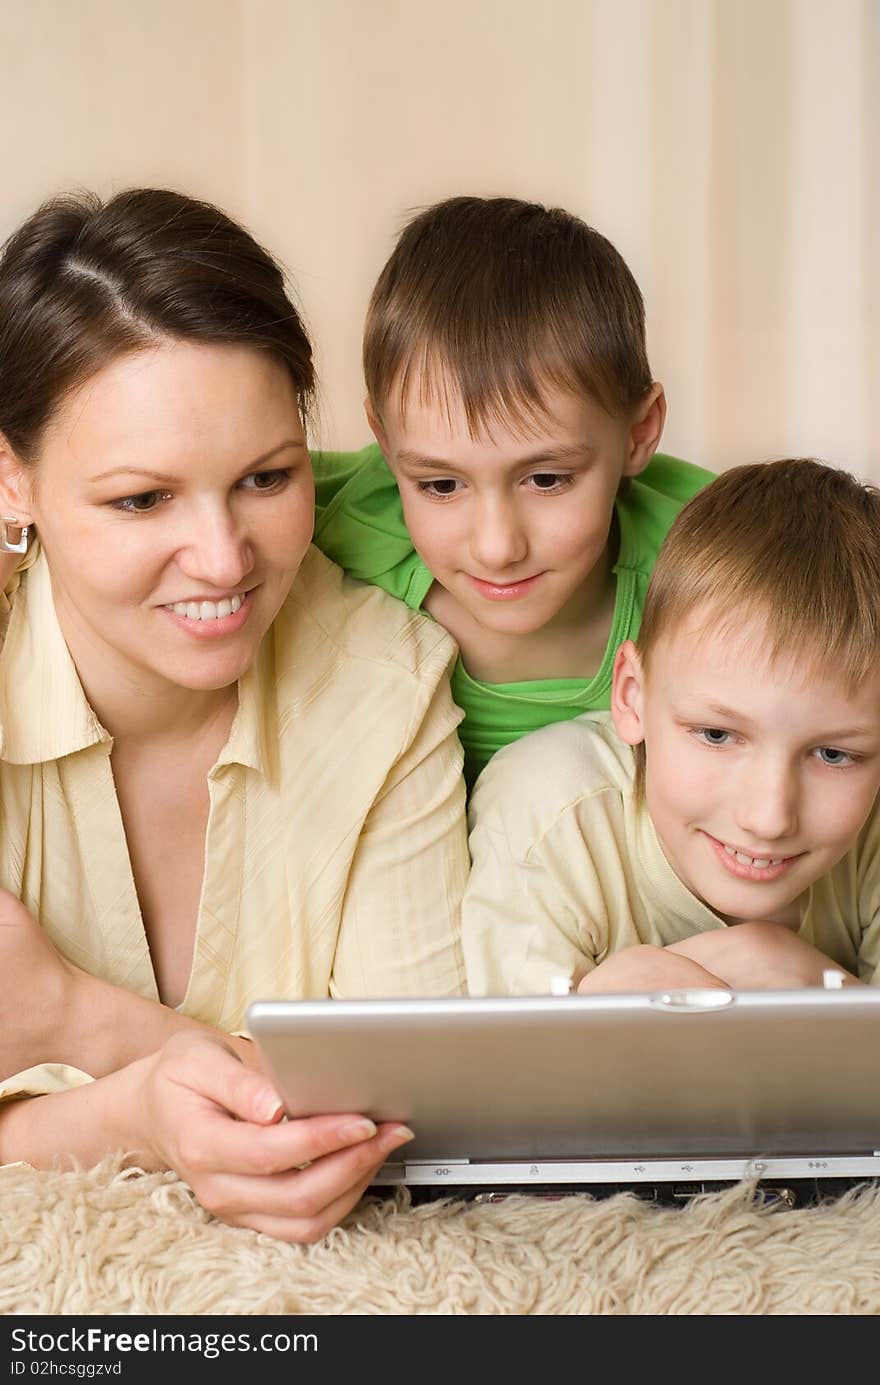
(489,301)
(795,542)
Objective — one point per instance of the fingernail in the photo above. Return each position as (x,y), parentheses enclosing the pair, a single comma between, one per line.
(357,1130)
(400,1134)
(268,1107)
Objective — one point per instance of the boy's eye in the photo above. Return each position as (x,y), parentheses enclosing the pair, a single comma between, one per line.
(711,735)
(551,480)
(140,504)
(830,756)
(266,480)
(441,488)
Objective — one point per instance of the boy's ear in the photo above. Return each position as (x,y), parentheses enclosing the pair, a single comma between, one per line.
(375,425)
(646,429)
(627,691)
(16,486)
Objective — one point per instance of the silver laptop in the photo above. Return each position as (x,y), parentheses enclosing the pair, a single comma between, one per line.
(671,1092)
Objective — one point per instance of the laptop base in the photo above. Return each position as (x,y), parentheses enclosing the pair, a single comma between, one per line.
(789,1182)
(796,1193)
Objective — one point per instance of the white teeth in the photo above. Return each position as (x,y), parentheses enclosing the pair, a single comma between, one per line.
(207,610)
(760,862)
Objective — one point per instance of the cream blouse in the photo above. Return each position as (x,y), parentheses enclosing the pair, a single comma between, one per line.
(336,849)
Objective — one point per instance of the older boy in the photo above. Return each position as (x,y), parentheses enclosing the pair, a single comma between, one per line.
(514,497)
(725,829)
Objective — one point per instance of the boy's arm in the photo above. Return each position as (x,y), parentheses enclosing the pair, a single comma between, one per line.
(359,524)
(645,967)
(758,956)
(333,471)
(534,908)
(754,956)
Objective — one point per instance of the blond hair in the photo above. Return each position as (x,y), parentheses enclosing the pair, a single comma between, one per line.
(488,301)
(795,542)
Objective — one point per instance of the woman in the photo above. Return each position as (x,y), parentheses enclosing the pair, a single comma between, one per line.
(226,771)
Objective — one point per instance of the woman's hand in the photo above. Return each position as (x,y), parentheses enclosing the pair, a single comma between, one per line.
(217,1123)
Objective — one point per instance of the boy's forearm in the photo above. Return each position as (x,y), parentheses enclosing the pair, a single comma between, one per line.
(647,968)
(760,956)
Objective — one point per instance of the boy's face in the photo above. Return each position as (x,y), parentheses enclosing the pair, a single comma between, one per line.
(513,523)
(758,775)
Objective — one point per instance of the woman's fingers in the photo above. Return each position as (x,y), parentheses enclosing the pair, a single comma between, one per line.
(217,1141)
(302,1204)
(207,1065)
(236,1125)
(313,1229)
(217,1123)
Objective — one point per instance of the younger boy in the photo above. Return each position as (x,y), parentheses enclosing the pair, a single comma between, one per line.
(514,497)
(722,827)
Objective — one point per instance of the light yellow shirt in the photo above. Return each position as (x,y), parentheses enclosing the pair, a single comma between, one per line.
(336,847)
(567,868)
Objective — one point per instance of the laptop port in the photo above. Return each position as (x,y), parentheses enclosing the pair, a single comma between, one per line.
(770,1196)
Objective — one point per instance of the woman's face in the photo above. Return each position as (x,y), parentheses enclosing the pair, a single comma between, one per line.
(174,498)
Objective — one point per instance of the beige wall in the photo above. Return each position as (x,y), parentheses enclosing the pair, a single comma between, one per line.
(106,93)
(723,145)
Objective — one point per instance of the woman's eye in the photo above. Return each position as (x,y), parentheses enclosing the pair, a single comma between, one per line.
(443,487)
(266,480)
(140,504)
(830,756)
(551,480)
(711,735)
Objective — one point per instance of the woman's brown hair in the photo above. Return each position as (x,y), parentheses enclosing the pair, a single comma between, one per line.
(84,281)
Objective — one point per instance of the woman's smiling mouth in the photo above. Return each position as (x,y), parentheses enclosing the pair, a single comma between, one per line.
(211,619)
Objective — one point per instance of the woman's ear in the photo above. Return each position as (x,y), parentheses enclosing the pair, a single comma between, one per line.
(627,691)
(16,486)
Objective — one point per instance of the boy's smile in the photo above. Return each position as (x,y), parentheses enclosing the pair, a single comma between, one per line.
(759,772)
(744,865)
(514,521)
(509,591)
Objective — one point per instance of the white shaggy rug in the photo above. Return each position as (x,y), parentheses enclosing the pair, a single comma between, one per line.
(105,1242)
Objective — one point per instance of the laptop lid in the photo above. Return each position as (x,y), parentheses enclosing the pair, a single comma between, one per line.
(623,1080)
